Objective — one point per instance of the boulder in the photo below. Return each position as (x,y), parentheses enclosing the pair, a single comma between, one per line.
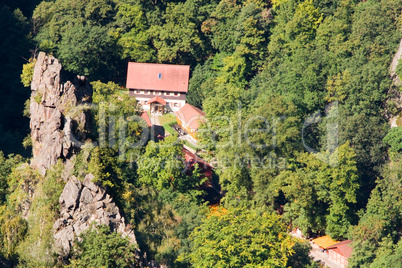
(81,204)
(88,183)
(86,196)
(71,192)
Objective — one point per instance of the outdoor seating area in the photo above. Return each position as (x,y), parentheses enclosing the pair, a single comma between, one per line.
(179,130)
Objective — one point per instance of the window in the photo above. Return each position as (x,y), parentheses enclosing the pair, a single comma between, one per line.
(168,93)
(176,94)
(159,75)
(138,91)
(146,102)
(146,91)
(175,104)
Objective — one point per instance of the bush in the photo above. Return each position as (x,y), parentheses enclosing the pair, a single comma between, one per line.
(37,249)
(394,139)
(101,247)
(27,73)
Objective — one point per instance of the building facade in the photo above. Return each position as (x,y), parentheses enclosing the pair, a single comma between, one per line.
(147,81)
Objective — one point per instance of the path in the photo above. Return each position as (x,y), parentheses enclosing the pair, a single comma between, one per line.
(156,125)
(396,82)
(395,60)
(154,119)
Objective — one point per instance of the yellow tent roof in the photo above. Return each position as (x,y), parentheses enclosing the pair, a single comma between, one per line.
(324,241)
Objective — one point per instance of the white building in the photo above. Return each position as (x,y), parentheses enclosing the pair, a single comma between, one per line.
(147,81)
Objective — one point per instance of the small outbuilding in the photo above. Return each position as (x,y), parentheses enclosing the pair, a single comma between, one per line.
(340,253)
(190,118)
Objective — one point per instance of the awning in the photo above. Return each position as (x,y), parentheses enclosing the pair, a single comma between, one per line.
(325,241)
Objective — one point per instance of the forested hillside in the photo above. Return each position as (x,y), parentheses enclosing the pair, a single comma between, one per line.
(297,95)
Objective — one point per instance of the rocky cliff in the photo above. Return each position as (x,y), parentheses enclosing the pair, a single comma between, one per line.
(60,121)
(81,204)
(394,101)
(57,123)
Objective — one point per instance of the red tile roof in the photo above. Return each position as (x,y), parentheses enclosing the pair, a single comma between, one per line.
(158,100)
(163,77)
(343,248)
(146,118)
(192,159)
(190,115)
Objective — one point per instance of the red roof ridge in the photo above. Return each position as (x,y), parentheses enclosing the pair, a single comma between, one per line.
(161,64)
(340,243)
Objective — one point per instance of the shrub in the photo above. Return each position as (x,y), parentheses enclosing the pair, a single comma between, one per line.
(101,247)
(27,73)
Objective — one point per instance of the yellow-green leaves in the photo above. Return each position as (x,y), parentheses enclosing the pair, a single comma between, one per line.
(27,73)
(240,238)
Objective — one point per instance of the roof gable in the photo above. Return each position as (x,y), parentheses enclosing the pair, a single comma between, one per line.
(162,77)
(343,248)
(190,115)
(158,100)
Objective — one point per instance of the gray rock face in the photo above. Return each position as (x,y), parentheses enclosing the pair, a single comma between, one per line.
(60,123)
(80,205)
(71,192)
(57,122)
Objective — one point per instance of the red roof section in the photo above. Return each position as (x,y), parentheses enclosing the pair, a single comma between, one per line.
(163,77)
(190,115)
(343,248)
(158,100)
(192,159)
(146,118)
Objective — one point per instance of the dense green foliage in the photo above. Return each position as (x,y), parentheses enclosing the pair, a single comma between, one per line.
(238,238)
(102,248)
(295,94)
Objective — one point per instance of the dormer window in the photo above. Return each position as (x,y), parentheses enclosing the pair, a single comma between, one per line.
(159,75)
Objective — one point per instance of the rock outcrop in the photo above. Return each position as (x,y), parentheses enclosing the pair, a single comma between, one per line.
(81,204)
(393,105)
(60,124)
(58,116)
